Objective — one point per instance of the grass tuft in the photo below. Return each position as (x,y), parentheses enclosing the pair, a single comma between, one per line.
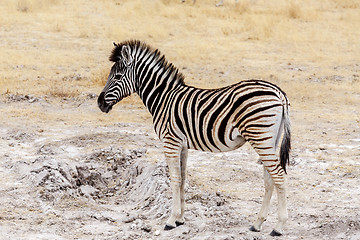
(23,6)
(62,91)
(294,11)
(242,7)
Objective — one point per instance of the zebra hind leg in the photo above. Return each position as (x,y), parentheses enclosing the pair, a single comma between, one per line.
(282,209)
(277,175)
(274,175)
(269,187)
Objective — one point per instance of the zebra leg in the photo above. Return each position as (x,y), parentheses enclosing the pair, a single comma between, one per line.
(277,175)
(282,209)
(183,161)
(269,187)
(273,167)
(172,155)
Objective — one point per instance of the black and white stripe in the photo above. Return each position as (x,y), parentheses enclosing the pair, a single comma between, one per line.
(214,120)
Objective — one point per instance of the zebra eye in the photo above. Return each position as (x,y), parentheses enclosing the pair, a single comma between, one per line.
(117,76)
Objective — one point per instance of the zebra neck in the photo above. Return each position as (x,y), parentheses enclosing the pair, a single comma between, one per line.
(157,85)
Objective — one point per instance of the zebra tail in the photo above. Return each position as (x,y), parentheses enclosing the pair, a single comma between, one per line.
(286,140)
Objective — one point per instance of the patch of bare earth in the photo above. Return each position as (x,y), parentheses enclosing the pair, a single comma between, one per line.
(100,180)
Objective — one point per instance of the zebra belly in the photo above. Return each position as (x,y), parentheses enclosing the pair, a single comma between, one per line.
(232,143)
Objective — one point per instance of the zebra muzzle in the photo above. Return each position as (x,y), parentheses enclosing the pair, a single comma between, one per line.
(104,107)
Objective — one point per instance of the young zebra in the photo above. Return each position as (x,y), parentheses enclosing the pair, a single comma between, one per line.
(214,120)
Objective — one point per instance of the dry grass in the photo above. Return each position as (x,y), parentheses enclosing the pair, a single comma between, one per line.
(346,3)
(44,42)
(62,91)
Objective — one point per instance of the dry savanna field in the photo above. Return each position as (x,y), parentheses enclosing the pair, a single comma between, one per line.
(68,171)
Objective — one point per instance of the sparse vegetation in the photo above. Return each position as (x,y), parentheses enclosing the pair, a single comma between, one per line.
(307,47)
(69,36)
(63,91)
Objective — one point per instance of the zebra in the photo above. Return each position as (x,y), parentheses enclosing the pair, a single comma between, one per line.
(212,120)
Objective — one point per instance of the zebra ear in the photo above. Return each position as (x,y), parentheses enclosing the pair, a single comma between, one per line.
(125,53)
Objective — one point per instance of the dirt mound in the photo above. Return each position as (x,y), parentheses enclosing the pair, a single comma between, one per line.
(126,178)
(96,175)
(122,191)
(341,229)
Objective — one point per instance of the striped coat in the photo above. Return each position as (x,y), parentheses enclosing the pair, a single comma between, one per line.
(214,120)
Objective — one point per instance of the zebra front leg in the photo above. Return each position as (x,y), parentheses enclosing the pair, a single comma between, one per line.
(172,155)
(269,187)
(183,161)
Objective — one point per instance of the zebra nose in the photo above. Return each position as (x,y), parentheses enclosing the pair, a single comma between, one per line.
(100,99)
(102,104)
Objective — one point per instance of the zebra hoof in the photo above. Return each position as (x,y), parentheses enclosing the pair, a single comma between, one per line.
(179,223)
(275,233)
(168,227)
(253,229)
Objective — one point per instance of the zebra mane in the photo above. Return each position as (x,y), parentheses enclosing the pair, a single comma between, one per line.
(138,45)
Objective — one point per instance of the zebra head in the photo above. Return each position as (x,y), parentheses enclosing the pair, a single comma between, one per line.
(120,82)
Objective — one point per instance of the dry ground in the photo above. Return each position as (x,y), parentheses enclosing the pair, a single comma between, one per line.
(63,169)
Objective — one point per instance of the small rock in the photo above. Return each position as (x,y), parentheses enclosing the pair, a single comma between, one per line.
(146,228)
(91,96)
(130,219)
(88,190)
(157,233)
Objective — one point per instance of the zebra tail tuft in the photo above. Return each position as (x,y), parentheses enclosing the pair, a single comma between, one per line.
(286,140)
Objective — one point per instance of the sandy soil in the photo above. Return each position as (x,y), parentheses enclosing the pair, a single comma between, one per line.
(96,180)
